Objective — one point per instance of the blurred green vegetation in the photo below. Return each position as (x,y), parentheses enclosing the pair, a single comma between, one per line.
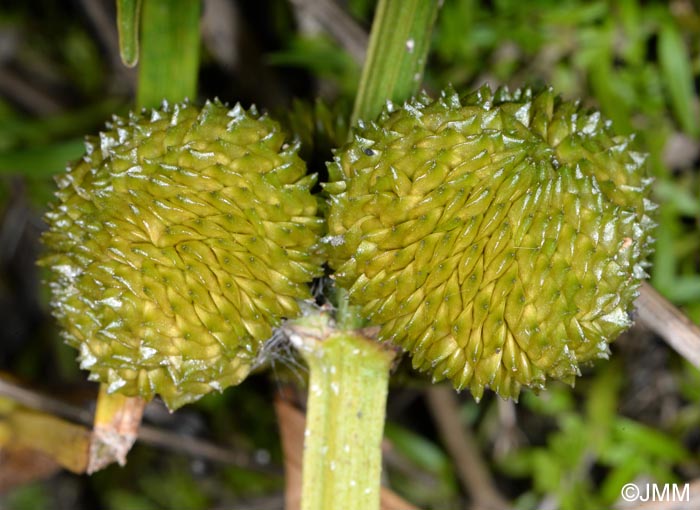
(636,416)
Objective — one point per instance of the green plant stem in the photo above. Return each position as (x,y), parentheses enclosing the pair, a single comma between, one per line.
(169,51)
(348,381)
(347,316)
(398,49)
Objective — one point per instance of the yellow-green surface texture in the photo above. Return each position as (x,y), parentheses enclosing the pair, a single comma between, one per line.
(176,245)
(499,238)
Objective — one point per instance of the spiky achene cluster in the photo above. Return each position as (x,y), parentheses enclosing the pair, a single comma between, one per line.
(499,239)
(178,242)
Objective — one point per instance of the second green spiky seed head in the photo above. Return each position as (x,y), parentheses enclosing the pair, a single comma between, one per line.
(499,239)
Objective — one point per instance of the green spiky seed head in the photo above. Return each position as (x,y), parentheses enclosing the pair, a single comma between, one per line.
(500,239)
(177,243)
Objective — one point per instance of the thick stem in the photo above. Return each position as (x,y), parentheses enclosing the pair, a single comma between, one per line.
(348,383)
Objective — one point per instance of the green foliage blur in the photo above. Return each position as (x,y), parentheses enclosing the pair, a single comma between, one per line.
(636,417)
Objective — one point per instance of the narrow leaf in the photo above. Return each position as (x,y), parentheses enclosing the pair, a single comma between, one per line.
(398,49)
(128,17)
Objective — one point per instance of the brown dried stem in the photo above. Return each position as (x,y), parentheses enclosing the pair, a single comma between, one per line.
(153,436)
(664,319)
(64,442)
(115,429)
(464,450)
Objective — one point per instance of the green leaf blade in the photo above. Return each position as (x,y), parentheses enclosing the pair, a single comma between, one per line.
(397,53)
(128,17)
(169,51)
